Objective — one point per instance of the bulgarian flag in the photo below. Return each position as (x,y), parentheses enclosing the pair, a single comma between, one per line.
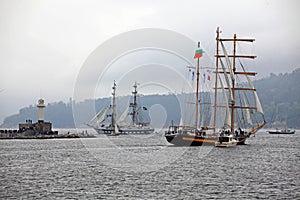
(198,53)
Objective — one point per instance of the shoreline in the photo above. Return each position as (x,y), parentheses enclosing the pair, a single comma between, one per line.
(58,136)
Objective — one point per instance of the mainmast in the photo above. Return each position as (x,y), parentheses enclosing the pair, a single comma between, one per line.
(197,91)
(216,81)
(233,72)
(134,104)
(233,85)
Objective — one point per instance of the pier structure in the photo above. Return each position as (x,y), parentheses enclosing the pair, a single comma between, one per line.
(38,130)
(40,127)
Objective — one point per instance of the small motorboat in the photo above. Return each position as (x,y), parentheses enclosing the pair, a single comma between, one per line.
(283,131)
(226,141)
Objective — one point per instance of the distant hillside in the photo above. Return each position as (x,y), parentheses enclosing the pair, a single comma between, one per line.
(276,91)
(59,113)
(281,92)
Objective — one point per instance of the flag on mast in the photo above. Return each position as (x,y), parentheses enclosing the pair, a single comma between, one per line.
(198,53)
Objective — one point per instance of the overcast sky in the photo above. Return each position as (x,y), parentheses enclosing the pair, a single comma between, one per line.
(43,44)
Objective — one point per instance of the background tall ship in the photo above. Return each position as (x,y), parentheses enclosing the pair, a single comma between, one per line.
(116,125)
(234,107)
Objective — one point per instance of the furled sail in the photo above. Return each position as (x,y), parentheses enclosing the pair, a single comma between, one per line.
(227,115)
(227,79)
(228,61)
(247,112)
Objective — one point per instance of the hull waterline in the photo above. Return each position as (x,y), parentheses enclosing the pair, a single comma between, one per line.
(109,131)
(187,140)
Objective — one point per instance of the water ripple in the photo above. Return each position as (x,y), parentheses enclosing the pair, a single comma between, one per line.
(267,168)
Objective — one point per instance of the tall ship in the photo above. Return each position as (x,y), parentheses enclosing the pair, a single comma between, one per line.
(234,108)
(117,126)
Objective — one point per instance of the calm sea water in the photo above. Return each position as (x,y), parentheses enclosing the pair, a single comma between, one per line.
(145,167)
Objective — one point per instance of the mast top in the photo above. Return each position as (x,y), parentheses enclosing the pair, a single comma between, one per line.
(237,39)
(114,86)
(135,86)
(234,38)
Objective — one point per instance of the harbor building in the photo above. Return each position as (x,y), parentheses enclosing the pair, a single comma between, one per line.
(40,127)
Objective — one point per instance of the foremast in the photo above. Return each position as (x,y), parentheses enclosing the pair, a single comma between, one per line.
(113,106)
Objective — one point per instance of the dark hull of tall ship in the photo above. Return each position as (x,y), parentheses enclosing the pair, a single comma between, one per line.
(188,140)
(241,139)
(125,131)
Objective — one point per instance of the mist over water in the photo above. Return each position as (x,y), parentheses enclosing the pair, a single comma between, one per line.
(266,168)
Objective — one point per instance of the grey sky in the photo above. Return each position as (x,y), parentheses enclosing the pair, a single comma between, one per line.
(43,44)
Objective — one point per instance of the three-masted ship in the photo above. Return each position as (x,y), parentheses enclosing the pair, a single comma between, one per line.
(236,107)
(115,125)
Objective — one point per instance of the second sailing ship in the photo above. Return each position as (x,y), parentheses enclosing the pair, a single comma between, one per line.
(136,126)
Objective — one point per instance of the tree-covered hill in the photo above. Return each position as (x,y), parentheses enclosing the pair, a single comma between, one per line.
(280,97)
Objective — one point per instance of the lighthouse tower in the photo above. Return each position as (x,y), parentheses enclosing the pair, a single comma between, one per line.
(41,107)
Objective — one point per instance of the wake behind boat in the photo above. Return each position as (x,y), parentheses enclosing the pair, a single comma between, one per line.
(236,106)
(115,127)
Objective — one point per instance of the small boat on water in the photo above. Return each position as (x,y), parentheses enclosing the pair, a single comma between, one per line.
(115,126)
(280,126)
(282,131)
(234,105)
(226,141)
